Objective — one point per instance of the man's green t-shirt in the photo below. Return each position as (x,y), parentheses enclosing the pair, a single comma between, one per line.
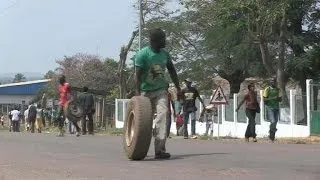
(270,92)
(154,66)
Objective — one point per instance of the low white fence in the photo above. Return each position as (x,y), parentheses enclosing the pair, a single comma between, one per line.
(234,124)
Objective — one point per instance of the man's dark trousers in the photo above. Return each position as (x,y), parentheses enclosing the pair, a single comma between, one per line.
(84,123)
(15,126)
(32,120)
(251,128)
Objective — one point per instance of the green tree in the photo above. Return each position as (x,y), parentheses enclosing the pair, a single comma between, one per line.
(240,38)
(303,40)
(82,70)
(49,75)
(201,52)
(87,70)
(19,77)
(110,63)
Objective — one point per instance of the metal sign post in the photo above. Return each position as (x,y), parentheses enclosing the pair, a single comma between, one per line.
(218,121)
(219,99)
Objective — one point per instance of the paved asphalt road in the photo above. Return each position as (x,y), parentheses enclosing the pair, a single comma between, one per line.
(44,156)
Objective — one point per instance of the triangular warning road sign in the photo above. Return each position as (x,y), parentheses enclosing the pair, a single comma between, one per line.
(219,97)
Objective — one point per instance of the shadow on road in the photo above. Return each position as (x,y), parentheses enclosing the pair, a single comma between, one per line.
(184,156)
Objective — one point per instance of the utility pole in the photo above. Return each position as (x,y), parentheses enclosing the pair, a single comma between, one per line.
(140,32)
(140,22)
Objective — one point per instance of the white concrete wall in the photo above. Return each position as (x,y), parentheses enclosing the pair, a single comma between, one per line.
(286,126)
(15,99)
(120,120)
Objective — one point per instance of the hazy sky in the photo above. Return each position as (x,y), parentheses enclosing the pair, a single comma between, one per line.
(34,33)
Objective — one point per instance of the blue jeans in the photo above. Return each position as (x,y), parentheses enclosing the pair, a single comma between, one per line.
(273,116)
(193,123)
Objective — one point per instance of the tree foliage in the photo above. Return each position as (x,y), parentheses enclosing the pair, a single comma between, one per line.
(88,70)
(82,70)
(239,38)
(19,77)
(200,51)
(49,75)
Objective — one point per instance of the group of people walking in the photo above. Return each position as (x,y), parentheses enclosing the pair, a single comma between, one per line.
(34,118)
(185,108)
(272,98)
(152,61)
(34,114)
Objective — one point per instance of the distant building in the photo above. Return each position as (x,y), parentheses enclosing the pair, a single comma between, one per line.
(20,93)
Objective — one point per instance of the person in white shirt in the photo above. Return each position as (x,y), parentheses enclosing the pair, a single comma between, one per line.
(15,120)
(27,123)
(38,122)
(10,119)
(2,120)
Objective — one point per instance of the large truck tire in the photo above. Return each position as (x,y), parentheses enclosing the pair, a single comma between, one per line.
(73,110)
(138,128)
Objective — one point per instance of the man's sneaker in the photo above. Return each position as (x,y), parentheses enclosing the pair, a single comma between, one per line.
(255,140)
(194,136)
(61,133)
(186,137)
(77,134)
(271,139)
(162,156)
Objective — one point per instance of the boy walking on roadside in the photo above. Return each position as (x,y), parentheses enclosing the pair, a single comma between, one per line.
(151,63)
(189,96)
(272,97)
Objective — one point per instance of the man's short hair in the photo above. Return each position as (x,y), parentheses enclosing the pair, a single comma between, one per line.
(85,89)
(156,34)
(250,85)
(62,79)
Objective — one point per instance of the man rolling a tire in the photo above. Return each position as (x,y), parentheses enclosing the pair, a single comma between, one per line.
(64,91)
(151,63)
